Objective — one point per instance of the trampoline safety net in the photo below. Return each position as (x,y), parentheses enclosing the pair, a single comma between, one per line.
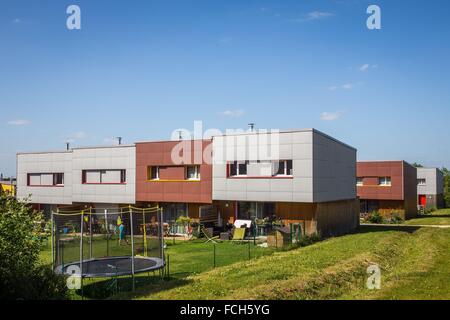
(105,242)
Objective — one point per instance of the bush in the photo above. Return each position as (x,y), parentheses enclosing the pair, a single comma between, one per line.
(375,217)
(395,218)
(21,275)
(430,210)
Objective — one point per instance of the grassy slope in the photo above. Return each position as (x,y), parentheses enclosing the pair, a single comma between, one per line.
(415,263)
(186,258)
(439,217)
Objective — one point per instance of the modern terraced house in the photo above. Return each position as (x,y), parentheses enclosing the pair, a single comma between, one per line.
(295,176)
(430,188)
(389,187)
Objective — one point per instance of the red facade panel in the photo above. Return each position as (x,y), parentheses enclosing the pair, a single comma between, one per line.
(172,185)
(372,171)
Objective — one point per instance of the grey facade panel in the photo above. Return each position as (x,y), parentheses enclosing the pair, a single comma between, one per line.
(324,169)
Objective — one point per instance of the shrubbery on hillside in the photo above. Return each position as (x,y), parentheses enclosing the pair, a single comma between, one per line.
(21,275)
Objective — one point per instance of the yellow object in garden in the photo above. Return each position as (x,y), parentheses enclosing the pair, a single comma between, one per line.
(239,234)
(119,221)
(7,189)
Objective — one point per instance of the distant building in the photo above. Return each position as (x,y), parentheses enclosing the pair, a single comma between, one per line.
(387,187)
(430,188)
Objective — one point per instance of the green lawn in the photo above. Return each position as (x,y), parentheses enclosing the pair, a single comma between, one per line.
(186,258)
(415,264)
(439,217)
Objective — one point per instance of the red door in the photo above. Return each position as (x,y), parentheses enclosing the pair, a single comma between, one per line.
(422,200)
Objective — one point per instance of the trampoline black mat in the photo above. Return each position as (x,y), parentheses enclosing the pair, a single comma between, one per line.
(110,267)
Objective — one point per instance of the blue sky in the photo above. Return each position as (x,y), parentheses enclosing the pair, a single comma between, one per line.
(141,69)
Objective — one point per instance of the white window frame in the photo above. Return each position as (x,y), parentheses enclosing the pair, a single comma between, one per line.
(238,174)
(151,173)
(285,173)
(53,184)
(101,173)
(420,183)
(359,181)
(197,173)
(54,179)
(384,181)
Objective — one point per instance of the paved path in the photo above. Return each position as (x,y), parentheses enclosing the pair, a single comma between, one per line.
(407,225)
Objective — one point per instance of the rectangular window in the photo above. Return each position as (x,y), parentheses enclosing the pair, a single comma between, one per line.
(193,173)
(238,168)
(384,181)
(421,182)
(104,176)
(233,168)
(153,173)
(242,168)
(283,168)
(359,182)
(58,179)
(45,179)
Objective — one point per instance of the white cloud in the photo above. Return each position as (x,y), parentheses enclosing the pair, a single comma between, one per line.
(330,116)
(315,15)
(19,122)
(364,67)
(347,86)
(367,66)
(232,113)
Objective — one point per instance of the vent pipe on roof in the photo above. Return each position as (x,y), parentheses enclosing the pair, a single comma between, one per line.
(67,145)
(119,139)
(251,126)
(180,136)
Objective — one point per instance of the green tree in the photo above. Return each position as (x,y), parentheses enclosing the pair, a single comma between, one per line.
(417,165)
(21,274)
(446,186)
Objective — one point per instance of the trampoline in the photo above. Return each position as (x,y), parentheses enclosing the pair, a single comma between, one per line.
(108,243)
(112,267)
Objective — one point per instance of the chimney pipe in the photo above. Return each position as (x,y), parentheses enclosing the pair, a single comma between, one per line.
(251,126)
(120,140)
(180,136)
(67,145)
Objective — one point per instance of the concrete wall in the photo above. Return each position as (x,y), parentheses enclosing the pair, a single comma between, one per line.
(334,169)
(323,168)
(410,190)
(434,181)
(114,158)
(50,162)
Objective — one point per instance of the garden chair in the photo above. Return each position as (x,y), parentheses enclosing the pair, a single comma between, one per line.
(238,234)
(209,236)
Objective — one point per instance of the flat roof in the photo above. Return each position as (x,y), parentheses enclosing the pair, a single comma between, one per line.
(268,131)
(368,161)
(77,148)
(159,141)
